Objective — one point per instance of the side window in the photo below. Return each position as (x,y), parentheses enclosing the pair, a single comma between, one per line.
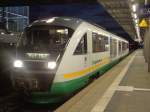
(82,46)
(124,46)
(120,47)
(96,42)
(113,47)
(106,44)
(100,43)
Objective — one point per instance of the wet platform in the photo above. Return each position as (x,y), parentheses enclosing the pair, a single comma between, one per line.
(124,88)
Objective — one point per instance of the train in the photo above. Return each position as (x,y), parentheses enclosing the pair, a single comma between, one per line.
(57,56)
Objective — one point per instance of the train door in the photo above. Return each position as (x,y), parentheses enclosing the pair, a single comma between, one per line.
(75,63)
(100,50)
(113,48)
(82,51)
(89,48)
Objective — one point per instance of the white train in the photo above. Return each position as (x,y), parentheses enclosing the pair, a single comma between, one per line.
(57,56)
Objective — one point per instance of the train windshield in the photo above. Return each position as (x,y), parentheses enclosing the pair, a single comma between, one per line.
(46,38)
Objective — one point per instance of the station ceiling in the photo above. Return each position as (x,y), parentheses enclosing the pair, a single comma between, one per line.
(121,12)
(119,9)
(142,1)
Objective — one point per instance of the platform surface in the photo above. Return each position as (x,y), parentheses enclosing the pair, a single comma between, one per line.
(124,88)
(137,78)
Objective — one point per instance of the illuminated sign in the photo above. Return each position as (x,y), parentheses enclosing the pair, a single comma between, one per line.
(37,55)
(143,23)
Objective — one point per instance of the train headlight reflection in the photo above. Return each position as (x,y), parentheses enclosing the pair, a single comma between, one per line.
(51,65)
(18,63)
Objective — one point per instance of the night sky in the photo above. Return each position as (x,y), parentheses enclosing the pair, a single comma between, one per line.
(93,12)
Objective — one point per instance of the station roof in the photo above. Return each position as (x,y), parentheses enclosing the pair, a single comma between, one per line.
(120,10)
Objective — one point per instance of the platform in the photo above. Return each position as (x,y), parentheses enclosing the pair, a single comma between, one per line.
(124,88)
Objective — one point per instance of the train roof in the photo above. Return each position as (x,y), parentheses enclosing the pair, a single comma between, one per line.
(69,22)
(64,21)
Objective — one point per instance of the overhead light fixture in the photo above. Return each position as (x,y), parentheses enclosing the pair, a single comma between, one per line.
(134,7)
(136,21)
(135,15)
(136,25)
(146,2)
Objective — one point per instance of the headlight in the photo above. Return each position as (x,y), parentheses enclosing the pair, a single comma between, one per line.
(18,63)
(51,65)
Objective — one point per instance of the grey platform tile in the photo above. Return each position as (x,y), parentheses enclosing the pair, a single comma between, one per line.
(137,74)
(137,101)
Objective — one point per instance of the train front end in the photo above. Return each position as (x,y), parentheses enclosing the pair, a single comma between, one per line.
(39,52)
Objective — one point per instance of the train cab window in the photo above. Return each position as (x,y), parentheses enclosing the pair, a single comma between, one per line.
(82,46)
(100,43)
(47,39)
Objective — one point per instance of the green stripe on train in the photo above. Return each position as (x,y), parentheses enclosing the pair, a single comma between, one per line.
(73,85)
(61,89)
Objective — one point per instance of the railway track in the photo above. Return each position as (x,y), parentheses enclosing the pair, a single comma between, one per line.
(14,103)
(9,103)
(39,108)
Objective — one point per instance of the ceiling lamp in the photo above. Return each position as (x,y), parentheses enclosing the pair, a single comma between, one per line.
(136,21)
(135,15)
(134,7)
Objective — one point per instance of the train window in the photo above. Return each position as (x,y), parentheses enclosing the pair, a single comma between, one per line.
(120,49)
(100,43)
(124,46)
(82,46)
(113,48)
(106,44)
